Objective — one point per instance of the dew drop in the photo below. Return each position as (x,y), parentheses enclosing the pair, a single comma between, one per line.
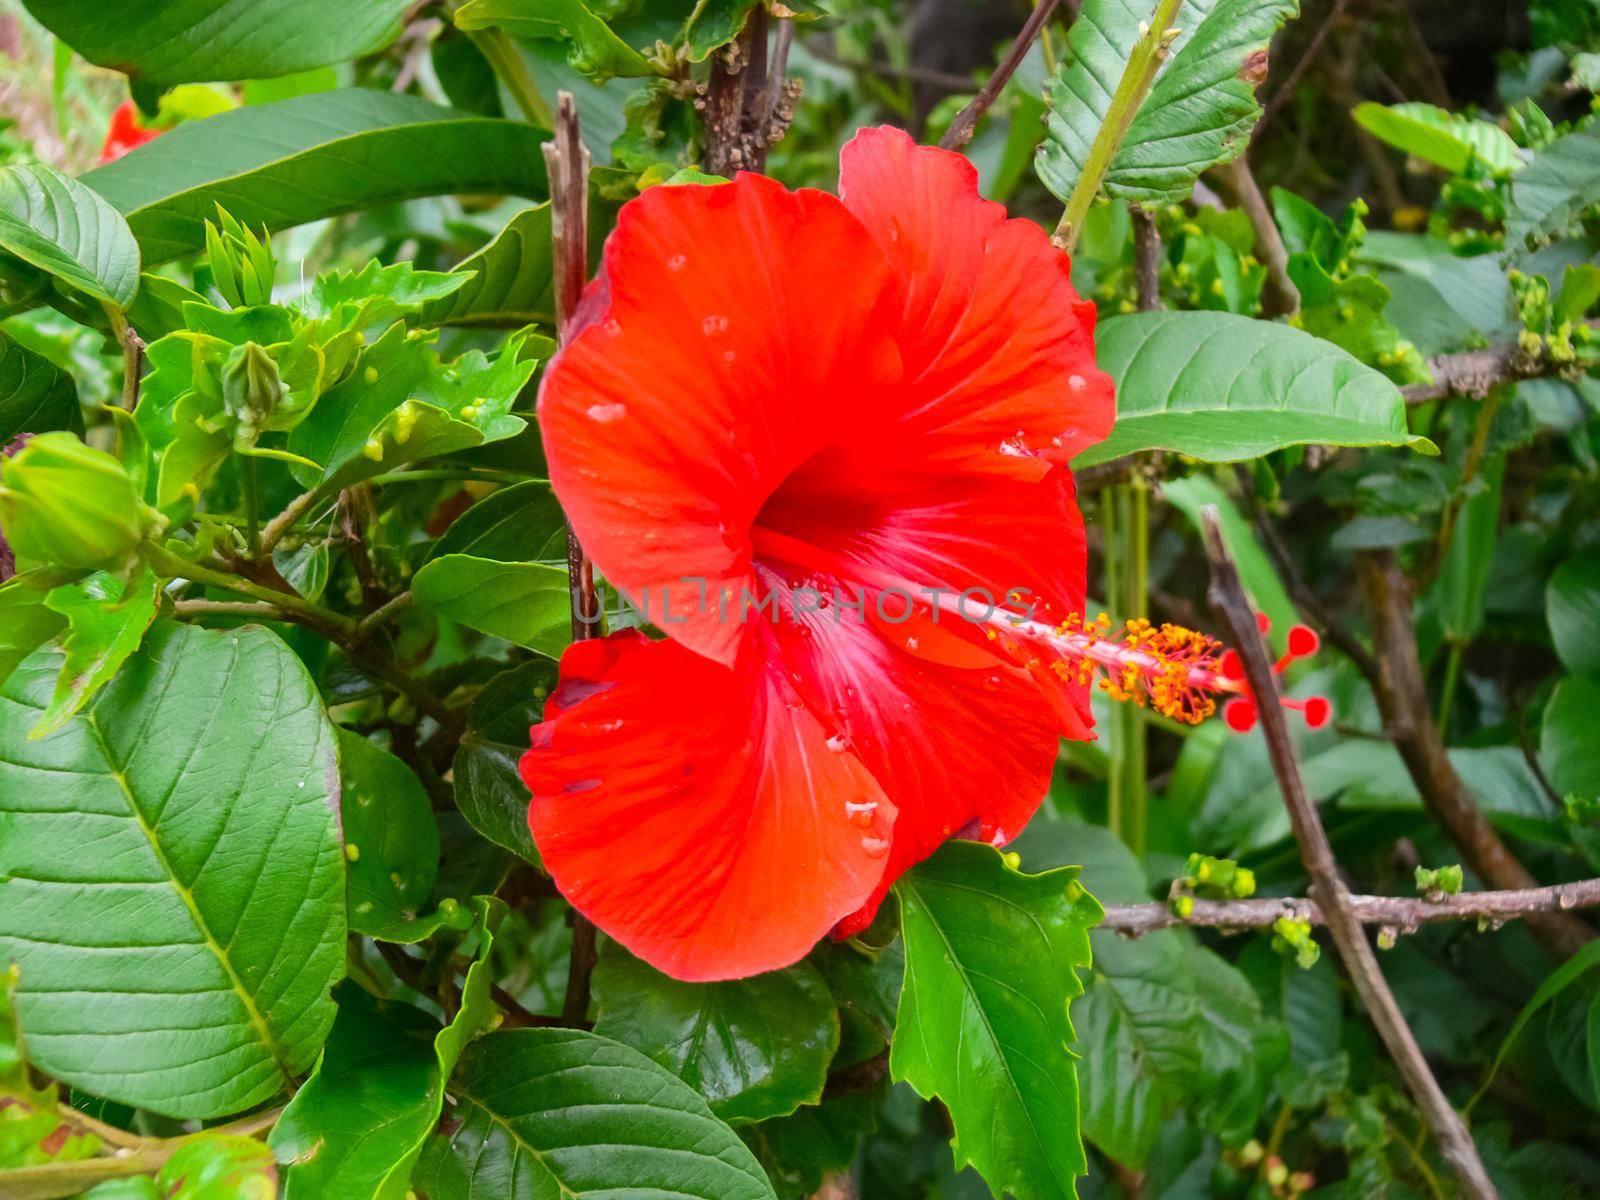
(729,356)
(676,262)
(875,847)
(991,683)
(1077,382)
(713,324)
(860,812)
(912,643)
(607,412)
(837,742)
(610,726)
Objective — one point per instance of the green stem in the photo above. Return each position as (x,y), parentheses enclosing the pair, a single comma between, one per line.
(165,562)
(1144,60)
(478,474)
(511,70)
(1447,697)
(252,505)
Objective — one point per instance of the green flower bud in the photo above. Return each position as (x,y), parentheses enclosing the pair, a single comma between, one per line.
(251,389)
(241,261)
(64,503)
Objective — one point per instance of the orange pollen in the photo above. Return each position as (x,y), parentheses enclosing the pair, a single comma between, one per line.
(1174,670)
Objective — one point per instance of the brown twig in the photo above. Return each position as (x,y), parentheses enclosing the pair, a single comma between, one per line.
(961,129)
(1475,373)
(1146,260)
(736,102)
(859,1077)
(567,162)
(1227,595)
(1403,700)
(1402,913)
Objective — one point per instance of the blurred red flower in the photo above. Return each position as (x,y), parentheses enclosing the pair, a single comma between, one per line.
(125,133)
(793,428)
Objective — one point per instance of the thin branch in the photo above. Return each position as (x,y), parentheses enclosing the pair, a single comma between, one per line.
(274,530)
(384,612)
(1227,595)
(567,162)
(1402,698)
(961,129)
(1475,373)
(1402,913)
(1146,260)
(228,608)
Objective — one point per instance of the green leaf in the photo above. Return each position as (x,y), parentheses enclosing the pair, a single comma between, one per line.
(401,403)
(1563,977)
(312,156)
(523,602)
(360,1123)
(1447,140)
(798,1151)
(754,1048)
(1224,388)
(1200,109)
(1350,312)
(1571,749)
(53,222)
(35,396)
(990,958)
(106,616)
(377,295)
(1550,192)
(559,1112)
(511,282)
(1464,570)
(390,841)
(595,51)
(1572,605)
(1137,1018)
(219,1167)
(25,622)
(489,790)
(184,965)
(520,523)
(182,41)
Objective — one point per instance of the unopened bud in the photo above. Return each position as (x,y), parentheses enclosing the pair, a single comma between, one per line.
(64,503)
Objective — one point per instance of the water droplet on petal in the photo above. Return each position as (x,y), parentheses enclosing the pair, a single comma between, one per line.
(1077,382)
(676,262)
(837,742)
(860,812)
(991,683)
(875,847)
(607,412)
(911,643)
(713,323)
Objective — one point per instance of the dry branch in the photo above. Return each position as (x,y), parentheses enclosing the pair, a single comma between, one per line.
(1402,913)
(1327,888)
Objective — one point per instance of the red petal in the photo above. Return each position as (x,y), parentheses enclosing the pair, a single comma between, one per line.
(695,812)
(743,332)
(952,747)
(998,347)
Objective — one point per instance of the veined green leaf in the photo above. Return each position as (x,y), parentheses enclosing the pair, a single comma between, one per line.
(595,50)
(184,966)
(35,395)
(754,1048)
(1225,388)
(359,1124)
(489,790)
(390,840)
(1572,606)
(1199,111)
(313,156)
(511,282)
(560,1112)
(107,615)
(1548,194)
(523,602)
(990,968)
(182,41)
(1443,138)
(53,222)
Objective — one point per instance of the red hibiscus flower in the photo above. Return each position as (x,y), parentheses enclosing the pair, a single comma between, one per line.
(794,429)
(125,133)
